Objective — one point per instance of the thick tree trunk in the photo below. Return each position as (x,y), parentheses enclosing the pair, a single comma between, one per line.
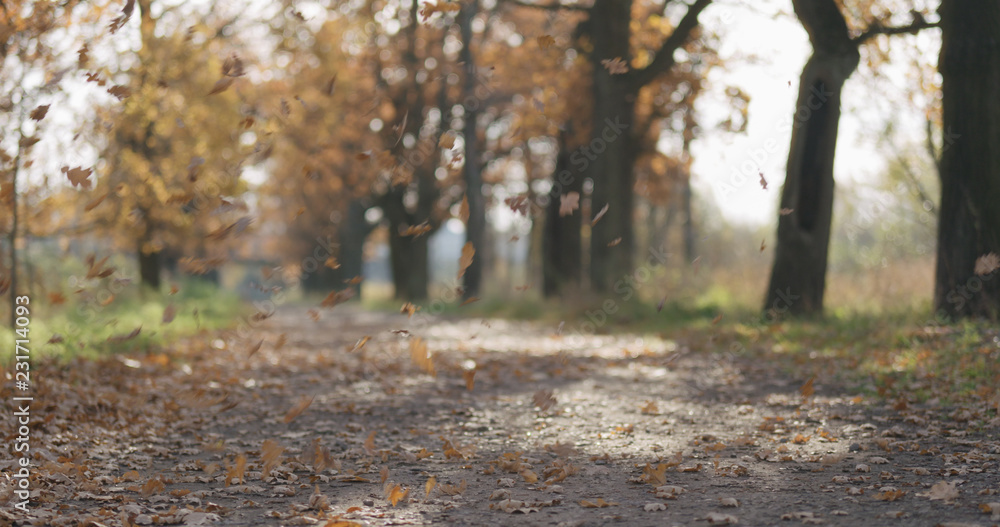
(969,219)
(410,274)
(562,246)
(609,156)
(476,225)
(799,272)
(347,249)
(149,269)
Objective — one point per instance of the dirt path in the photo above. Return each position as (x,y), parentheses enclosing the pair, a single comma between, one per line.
(662,432)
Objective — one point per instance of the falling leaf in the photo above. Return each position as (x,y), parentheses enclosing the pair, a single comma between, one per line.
(615,242)
(409,309)
(463,209)
(615,66)
(659,305)
(360,343)
(986,264)
(763,182)
(545,41)
(520,204)
(39,113)
(429,486)
(168,313)
(120,92)
(416,230)
(600,214)
(470,379)
(126,337)
(568,203)
(78,176)
(447,140)
(255,348)
(328,90)
(222,85)
(369,444)
(785,211)
(655,476)
(92,204)
(332,263)
(469,300)
(421,356)
(717,319)
(337,297)
(468,252)
(807,389)
(297,410)
(236,471)
(544,399)
(270,454)
(763,245)
(397,494)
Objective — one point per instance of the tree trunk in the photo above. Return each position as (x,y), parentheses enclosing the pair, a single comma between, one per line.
(688,227)
(562,246)
(410,273)
(609,157)
(969,219)
(149,269)
(799,272)
(476,224)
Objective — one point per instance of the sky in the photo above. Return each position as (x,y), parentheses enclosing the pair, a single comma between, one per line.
(772,83)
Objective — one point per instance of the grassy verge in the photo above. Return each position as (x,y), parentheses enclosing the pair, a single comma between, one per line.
(91,328)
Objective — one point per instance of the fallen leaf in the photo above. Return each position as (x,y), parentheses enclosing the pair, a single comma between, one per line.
(599,503)
(942,490)
(429,486)
(654,507)
(717,518)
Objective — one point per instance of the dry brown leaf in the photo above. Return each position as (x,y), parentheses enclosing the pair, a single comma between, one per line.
(396,494)
(470,379)
(600,214)
(421,356)
(763,182)
(78,176)
(39,113)
(615,66)
(168,313)
(615,242)
(807,389)
(468,253)
(270,454)
(942,490)
(545,41)
(599,503)
(299,407)
(360,343)
(369,444)
(429,486)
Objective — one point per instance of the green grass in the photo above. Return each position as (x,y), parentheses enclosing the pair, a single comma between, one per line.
(89,329)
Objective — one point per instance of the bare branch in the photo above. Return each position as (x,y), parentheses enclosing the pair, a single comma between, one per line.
(918,24)
(555,6)
(664,59)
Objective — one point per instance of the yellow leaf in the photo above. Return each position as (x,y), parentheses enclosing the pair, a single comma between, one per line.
(396,494)
(421,356)
(429,486)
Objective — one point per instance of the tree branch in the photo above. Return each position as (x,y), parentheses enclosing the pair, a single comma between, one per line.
(555,6)
(913,28)
(664,59)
